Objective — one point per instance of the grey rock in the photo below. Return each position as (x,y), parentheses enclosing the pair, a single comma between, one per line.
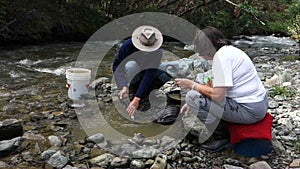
(128,149)
(9,146)
(70,167)
(32,136)
(189,159)
(10,128)
(273,104)
(16,159)
(227,166)
(295,163)
(27,156)
(186,153)
(137,164)
(58,160)
(232,161)
(168,142)
(47,154)
(54,141)
(96,138)
(3,165)
(119,162)
(260,165)
(279,98)
(137,139)
(160,162)
(98,82)
(102,160)
(196,127)
(146,152)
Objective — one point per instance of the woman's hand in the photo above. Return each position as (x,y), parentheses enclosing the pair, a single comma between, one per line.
(133,105)
(184,83)
(185,109)
(123,93)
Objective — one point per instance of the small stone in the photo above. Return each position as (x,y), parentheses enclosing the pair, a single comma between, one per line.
(279,98)
(119,162)
(54,141)
(10,128)
(27,156)
(9,146)
(264,157)
(260,164)
(47,154)
(102,160)
(227,166)
(232,161)
(186,153)
(4,165)
(160,162)
(137,164)
(148,152)
(295,163)
(58,160)
(96,138)
(149,162)
(273,104)
(95,151)
(70,167)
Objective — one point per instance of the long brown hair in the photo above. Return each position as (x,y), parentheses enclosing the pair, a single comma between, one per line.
(209,40)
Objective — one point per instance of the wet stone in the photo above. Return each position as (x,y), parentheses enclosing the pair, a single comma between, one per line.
(147,152)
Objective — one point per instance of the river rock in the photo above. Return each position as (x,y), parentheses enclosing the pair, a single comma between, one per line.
(102,160)
(54,141)
(47,154)
(96,84)
(119,162)
(260,165)
(137,164)
(295,163)
(27,156)
(146,152)
(227,166)
(9,146)
(4,165)
(58,160)
(70,167)
(196,127)
(10,128)
(273,104)
(33,136)
(160,162)
(96,138)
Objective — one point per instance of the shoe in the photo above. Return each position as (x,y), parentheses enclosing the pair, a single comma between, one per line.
(214,145)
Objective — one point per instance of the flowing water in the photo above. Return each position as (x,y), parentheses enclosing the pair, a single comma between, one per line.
(32,79)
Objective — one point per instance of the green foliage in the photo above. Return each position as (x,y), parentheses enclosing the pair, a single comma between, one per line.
(284,91)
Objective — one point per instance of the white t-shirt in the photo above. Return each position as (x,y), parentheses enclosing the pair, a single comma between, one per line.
(232,68)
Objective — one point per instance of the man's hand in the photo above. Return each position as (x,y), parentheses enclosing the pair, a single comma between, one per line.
(184,83)
(133,105)
(185,109)
(123,93)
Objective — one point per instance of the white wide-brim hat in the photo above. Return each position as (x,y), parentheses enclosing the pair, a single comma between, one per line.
(147,38)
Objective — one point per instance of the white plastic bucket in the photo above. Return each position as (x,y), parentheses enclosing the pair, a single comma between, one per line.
(78,80)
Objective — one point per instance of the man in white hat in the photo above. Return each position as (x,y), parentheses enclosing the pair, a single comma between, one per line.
(136,66)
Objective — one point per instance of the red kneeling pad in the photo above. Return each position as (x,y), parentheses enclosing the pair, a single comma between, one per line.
(259,130)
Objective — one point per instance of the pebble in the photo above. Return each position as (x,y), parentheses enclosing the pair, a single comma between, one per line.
(54,141)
